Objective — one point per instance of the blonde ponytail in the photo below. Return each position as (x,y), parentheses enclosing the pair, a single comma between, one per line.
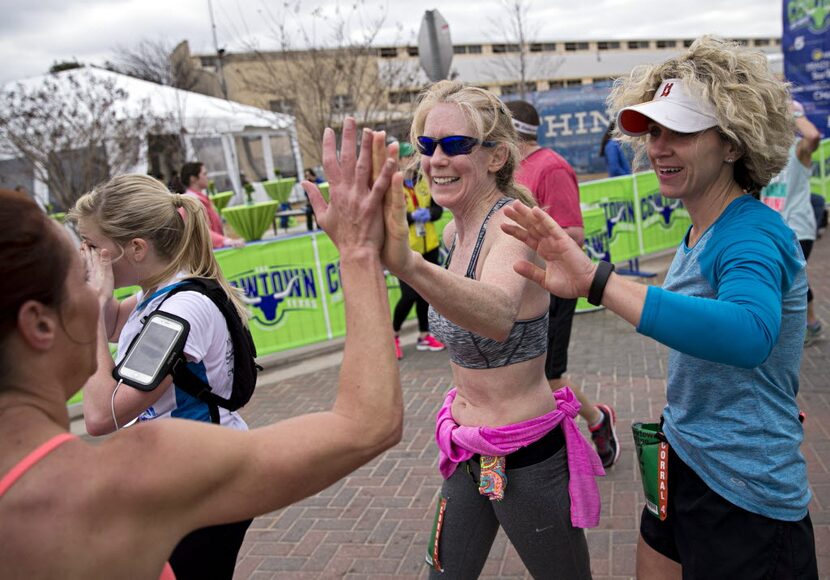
(138,206)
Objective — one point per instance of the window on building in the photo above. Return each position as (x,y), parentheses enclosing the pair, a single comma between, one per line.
(573,82)
(412,50)
(342,103)
(474,49)
(208,61)
(548,46)
(742,41)
(282,106)
(388,52)
(666,43)
(608,45)
(459,49)
(511,89)
(536,47)
(574,46)
(762,42)
(637,44)
(556,84)
(505,48)
(687,43)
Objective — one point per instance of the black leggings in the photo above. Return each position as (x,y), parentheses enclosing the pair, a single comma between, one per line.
(209,552)
(410,297)
(535,514)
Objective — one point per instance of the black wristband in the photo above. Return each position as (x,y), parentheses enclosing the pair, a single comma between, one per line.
(601,276)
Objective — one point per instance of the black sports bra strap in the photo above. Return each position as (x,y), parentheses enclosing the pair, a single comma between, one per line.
(471,268)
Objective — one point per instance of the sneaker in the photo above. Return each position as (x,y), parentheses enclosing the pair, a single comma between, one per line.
(604,437)
(812,333)
(398,351)
(429,342)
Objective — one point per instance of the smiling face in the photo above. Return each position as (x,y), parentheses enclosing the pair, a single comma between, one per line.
(460,179)
(688,165)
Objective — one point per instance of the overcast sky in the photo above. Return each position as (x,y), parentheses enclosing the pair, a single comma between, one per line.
(36,33)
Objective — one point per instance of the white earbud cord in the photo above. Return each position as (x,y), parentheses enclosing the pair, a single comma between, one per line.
(112,405)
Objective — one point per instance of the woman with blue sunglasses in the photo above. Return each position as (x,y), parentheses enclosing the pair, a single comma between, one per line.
(509,451)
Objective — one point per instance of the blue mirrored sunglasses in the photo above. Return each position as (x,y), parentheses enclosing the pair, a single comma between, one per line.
(451,146)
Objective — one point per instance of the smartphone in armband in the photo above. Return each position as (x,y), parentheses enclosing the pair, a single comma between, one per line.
(152,354)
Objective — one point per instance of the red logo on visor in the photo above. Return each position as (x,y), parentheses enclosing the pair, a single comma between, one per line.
(667,90)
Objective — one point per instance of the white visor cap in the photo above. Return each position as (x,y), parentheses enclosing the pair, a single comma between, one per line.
(671,107)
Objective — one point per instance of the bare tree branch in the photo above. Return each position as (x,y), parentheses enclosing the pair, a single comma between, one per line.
(516,30)
(324,67)
(150,60)
(73,130)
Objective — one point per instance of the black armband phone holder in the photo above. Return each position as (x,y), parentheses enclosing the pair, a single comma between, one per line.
(154,352)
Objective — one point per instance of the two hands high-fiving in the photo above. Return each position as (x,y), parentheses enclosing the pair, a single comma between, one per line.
(366,208)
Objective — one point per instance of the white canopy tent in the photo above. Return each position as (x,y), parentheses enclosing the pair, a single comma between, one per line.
(227,136)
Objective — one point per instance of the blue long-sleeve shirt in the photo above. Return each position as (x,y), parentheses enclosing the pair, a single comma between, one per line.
(733,311)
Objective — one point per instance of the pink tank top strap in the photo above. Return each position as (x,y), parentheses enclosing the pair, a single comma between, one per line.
(31,459)
(167,572)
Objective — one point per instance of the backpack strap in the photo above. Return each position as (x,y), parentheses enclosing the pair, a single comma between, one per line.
(183,377)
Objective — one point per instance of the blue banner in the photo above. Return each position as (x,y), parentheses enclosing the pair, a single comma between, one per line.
(806,48)
(573,123)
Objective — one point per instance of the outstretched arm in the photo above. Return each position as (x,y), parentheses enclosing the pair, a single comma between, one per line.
(741,324)
(809,142)
(204,475)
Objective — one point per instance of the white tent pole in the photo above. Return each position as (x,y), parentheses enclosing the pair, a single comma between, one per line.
(295,146)
(268,155)
(229,149)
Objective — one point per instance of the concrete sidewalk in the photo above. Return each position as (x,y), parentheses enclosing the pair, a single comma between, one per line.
(376,522)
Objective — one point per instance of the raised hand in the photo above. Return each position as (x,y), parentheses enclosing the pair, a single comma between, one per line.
(99,271)
(568,272)
(353,217)
(396,255)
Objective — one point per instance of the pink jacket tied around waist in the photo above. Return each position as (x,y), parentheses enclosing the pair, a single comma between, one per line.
(457,443)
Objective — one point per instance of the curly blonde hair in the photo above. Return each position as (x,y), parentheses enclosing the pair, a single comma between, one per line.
(490,120)
(750,103)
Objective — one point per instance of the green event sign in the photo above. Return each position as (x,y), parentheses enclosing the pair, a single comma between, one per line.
(615,198)
(293,290)
(820,180)
(662,222)
(287,291)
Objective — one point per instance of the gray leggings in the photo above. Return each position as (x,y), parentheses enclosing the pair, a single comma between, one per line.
(535,515)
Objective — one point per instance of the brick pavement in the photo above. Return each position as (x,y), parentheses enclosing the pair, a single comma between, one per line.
(376,522)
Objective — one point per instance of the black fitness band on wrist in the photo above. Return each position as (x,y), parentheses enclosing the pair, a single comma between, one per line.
(601,276)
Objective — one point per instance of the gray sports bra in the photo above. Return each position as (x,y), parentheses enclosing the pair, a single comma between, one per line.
(528,339)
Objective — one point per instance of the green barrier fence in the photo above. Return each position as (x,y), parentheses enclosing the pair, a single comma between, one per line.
(820,181)
(294,288)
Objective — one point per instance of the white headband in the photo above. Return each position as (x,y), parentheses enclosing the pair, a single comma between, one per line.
(525,128)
